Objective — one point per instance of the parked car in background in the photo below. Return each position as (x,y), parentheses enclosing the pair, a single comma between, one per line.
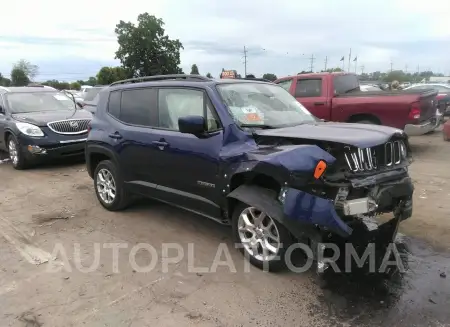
(37,123)
(247,154)
(337,97)
(370,88)
(443,96)
(91,98)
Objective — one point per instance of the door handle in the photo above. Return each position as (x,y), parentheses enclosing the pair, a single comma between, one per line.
(115,136)
(319,103)
(160,144)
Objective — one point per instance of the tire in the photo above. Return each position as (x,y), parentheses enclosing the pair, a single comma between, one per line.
(285,240)
(16,154)
(108,172)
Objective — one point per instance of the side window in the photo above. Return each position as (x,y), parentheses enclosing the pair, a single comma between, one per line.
(285,84)
(308,88)
(176,103)
(114,104)
(136,106)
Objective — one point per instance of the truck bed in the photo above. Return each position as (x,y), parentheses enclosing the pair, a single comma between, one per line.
(423,93)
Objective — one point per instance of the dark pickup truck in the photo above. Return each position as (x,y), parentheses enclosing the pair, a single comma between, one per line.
(337,97)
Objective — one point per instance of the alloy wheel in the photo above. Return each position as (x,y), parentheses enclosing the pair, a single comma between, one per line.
(258,234)
(106,186)
(13,153)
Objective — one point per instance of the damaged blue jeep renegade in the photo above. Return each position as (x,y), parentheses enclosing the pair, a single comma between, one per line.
(247,154)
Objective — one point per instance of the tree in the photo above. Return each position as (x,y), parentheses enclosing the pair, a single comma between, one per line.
(92,81)
(270,76)
(194,70)
(145,50)
(108,75)
(75,86)
(28,68)
(333,70)
(4,81)
(19,77)
(209,75)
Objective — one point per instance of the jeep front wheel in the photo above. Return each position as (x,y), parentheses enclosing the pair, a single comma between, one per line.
(261,238)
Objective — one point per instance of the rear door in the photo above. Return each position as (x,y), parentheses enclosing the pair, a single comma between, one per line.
(132,114)
(311,93)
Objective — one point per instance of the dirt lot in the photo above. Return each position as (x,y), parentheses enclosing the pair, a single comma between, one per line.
(55,205)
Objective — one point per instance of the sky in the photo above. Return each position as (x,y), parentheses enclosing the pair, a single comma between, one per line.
(74,40)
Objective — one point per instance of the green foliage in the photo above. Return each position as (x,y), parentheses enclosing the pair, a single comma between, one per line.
(270,76)
(333,70)
(108,75)
(4,81)
(209,75)
(19,77)
(194,70)
(28,68)
(145,50)
(75,86)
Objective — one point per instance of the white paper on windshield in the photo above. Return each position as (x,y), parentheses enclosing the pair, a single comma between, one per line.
(248,115)
(60,97)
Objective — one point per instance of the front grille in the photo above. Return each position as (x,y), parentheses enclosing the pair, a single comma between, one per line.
(69,126)
(367,159)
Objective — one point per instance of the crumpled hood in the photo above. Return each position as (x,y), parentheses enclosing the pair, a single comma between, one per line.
(359,135)
(43,117)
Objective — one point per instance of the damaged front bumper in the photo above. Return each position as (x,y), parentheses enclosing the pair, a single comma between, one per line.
(311,216)
(330,216)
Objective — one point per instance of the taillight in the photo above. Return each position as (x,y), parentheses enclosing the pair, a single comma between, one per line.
(414,112)
(440,96)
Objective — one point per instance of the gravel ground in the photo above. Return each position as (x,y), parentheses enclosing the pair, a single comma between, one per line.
(52,211)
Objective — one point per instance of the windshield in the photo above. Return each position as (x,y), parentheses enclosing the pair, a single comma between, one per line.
(265,105)
(38,101)
(90,93)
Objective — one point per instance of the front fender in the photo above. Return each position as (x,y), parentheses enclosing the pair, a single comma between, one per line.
(281,163)
(300,213)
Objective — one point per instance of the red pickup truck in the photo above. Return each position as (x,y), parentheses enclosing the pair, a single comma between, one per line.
(337,97)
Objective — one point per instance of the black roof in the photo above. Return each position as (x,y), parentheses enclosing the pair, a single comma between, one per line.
(181,80)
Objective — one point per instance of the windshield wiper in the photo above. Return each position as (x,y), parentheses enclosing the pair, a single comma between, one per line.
(262,126)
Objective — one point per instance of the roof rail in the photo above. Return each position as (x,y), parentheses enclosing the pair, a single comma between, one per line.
(197,78)
(256,79)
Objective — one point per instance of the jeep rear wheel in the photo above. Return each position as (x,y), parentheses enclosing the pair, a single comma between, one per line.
(109,187)
(262,239)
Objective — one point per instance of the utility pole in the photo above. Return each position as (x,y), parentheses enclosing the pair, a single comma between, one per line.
(245,61)
(406,69)
(349,58)
(362,69)
(326,62)
(391,65)
(311,63)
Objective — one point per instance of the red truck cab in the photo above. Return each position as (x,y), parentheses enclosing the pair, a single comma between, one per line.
(337,97)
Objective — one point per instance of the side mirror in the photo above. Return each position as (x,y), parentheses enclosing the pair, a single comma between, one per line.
(192,125)
(80,105)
